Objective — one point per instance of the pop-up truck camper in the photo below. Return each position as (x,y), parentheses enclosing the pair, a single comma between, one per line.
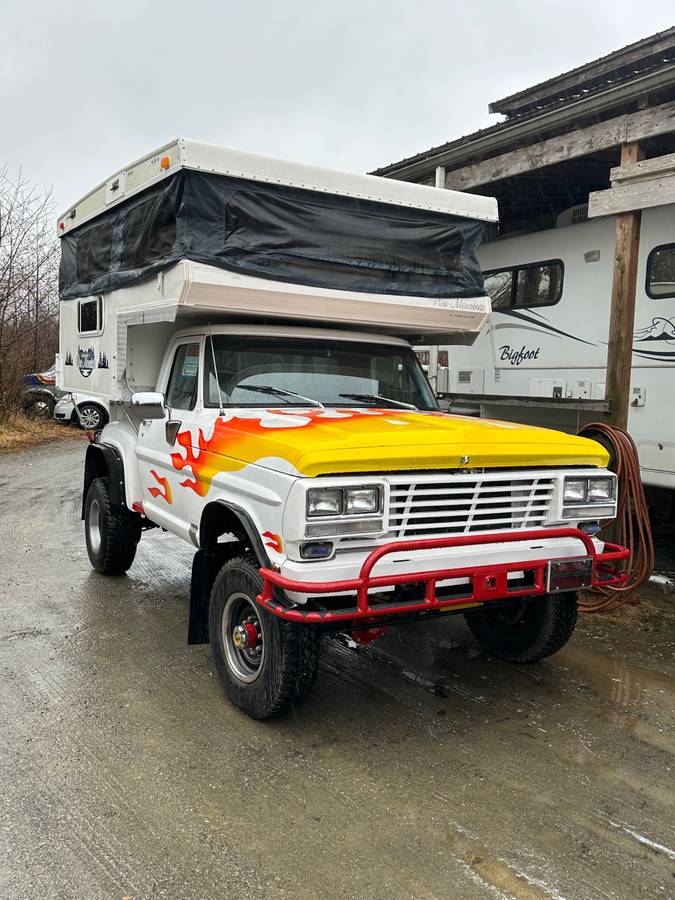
(250,323)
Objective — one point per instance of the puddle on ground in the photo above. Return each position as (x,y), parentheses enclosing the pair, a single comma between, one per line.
(612,678)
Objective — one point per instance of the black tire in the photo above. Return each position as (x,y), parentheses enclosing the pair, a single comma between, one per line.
(40,406)
(525,632)
(92,417)
(266,680)
(112,535)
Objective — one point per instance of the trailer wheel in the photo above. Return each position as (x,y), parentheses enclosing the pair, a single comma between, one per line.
(525,632)
(266,665)
(112,535)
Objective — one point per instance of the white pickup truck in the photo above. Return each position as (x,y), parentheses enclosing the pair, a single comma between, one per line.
(267,406)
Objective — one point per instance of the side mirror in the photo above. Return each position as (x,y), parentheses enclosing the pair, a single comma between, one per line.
(148,405)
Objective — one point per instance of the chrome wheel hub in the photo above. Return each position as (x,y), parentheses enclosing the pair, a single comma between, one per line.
(243,637)
(94,526)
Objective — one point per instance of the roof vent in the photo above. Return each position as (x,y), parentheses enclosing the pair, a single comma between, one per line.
(572,216)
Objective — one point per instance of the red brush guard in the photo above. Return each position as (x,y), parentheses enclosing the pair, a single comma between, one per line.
(486,583)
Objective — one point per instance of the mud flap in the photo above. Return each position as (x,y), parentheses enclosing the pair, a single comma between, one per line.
(206,564)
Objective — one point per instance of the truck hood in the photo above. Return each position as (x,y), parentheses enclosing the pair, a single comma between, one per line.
(340,441)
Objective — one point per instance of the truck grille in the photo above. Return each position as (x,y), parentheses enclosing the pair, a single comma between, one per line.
(464,505)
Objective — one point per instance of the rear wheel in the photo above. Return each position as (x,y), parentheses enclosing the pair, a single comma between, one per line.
(266,665)
(112,535)
(527,631)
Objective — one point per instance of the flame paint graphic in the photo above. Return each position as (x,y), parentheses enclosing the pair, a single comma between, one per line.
(164,491)
(274,541)
(239,440)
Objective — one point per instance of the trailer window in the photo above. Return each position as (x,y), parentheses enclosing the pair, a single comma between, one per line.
(181,392)
(499,285)
(90,316)
(523,287)
(661,272)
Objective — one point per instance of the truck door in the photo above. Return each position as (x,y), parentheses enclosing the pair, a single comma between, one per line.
(166,501)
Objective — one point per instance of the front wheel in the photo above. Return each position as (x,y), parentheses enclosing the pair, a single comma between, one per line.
(527,631)
(40,406)
(112,534)
(266,665)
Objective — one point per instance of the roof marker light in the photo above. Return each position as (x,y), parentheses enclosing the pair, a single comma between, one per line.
(165,162)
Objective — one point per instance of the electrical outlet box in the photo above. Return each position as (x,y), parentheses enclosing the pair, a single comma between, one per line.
(638,395)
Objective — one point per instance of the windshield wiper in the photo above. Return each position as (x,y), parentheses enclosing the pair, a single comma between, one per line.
(370,398)
(279,392)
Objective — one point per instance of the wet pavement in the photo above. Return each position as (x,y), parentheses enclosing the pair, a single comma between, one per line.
(419,768)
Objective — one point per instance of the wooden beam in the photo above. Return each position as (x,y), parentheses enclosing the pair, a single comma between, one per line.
(627,197)
(622,315)
(646,168)
(623,129)
(638,185)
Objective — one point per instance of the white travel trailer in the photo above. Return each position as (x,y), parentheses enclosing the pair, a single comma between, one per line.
(548,333)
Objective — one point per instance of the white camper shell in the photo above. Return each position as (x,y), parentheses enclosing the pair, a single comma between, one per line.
(99,350)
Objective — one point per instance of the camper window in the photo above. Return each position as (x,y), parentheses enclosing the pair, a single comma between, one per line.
(522,287)
(181,392)
(90,316)
(661,272)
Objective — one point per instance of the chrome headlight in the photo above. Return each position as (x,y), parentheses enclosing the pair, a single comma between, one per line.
(589,496)
(362,501)
(575,490)
(600,490)
(324,502)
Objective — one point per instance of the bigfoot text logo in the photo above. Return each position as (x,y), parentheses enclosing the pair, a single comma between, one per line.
(517,357)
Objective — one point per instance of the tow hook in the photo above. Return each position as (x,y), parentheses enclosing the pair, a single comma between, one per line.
(365,636)
(245,636)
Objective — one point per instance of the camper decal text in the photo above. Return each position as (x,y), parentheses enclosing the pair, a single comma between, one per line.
(515,356)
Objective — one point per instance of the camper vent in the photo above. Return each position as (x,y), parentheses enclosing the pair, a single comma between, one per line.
(573,215)
(464,376)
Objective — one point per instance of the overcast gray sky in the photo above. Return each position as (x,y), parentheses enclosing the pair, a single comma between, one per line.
(86,86)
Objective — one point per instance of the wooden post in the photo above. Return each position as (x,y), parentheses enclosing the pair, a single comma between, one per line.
(622,316)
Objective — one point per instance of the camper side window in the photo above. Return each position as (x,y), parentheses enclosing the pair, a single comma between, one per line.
(661,272)
(90,316)
(181,392)
(522,287)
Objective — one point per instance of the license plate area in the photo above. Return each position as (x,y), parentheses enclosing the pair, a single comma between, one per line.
(569,574)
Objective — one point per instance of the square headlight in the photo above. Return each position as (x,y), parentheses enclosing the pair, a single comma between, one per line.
(575,490)
(600,489)
(362,501)
(324,501)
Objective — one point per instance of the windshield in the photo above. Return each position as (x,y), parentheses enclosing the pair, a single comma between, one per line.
(274,371)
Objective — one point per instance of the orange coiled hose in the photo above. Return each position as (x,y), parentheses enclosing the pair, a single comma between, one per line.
(632,520)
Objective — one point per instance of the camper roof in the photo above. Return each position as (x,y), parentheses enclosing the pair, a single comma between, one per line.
(196,155)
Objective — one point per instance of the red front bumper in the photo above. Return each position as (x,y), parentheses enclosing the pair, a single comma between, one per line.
(486,583)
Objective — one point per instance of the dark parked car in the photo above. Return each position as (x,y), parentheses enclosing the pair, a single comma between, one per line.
(39,394)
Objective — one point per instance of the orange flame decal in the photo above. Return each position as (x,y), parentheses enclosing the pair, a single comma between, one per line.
(238,441)
(164,491)
(274,541)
